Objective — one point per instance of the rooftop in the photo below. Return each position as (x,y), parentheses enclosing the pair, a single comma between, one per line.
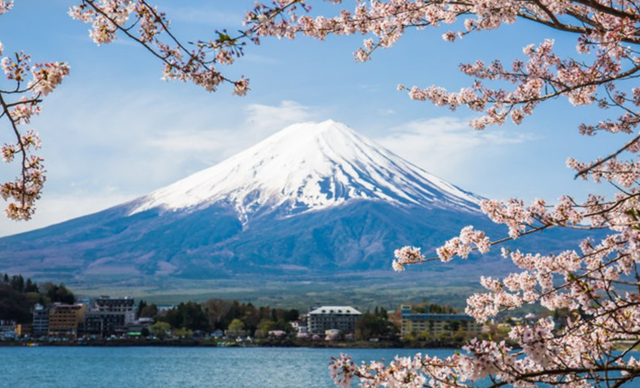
(347,310)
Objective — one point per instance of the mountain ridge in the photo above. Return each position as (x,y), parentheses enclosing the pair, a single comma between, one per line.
(306,167)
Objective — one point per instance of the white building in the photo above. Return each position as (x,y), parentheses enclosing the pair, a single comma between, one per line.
(125,306)
(341,318)
(40,321)
(8,329)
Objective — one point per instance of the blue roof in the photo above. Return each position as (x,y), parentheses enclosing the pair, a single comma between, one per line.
(438,317)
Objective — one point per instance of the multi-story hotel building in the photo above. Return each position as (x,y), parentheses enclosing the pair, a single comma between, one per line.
(40,321)
(64,319)
(104,323)
(123,305)
(325,318)
(436,323)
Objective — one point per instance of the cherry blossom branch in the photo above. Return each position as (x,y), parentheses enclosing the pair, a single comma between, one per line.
(110,16)
(21,148)
(591,167)
(609,10)
(26,189)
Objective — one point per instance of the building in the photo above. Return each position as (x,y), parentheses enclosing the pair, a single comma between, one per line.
(325,318)
(8,329)
(104,323)
(40,321)
(64,319)
(299,326)
(24,330)
(435,324)
(7,325)
(123,305)
(110,316)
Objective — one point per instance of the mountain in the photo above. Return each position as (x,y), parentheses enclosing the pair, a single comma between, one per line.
(309,167)
(315,200)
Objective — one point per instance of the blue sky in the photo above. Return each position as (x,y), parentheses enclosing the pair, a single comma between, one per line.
(114,131)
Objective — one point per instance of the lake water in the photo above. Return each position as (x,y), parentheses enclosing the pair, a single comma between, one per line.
(172,367)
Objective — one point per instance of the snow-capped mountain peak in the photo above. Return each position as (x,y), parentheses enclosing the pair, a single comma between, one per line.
(306,167)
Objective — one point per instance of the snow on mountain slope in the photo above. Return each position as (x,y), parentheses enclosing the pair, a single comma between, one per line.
(306,167)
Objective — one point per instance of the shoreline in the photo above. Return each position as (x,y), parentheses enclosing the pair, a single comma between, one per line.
(229,344)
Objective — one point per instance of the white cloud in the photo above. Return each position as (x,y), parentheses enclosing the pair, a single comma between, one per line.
(450,149)
(260,121)
(386,112)
(277,117)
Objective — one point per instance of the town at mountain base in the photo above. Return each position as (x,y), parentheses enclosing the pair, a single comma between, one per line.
(316,200)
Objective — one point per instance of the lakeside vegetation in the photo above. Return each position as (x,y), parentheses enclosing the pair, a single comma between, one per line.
(18,296)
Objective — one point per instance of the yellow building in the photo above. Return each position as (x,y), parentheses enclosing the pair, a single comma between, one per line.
(435,324)
(64,319)
(23,330)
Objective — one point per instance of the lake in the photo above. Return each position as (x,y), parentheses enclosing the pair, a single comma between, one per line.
(177,367)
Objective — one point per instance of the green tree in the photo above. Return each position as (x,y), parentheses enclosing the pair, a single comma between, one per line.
(17,283)
(264,327)
(251,317)
(291,315)
(374,325)
(160,329)
(217,310)
(33,298)
(236,326)
(14,305)
(452,326)
(188,315)
(183,332)
(31,286)
(58,293)
(149,311)
(141,305)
